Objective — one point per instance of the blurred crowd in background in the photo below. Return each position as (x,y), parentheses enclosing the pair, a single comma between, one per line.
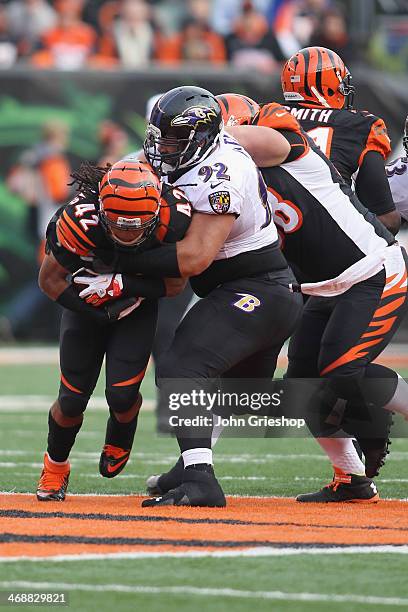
(131,35)
(259,34)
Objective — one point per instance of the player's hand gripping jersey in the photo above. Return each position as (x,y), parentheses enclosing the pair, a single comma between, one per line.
(324,227)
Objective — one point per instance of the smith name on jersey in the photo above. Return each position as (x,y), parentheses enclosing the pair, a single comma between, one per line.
(77,238)
(344,136)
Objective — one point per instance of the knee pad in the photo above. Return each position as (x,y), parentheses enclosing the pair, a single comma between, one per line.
(72,404)
(121,399)
(348,386)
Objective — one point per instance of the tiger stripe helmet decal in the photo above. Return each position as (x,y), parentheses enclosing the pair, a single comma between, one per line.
(319,76)
(130,200)
(237,109)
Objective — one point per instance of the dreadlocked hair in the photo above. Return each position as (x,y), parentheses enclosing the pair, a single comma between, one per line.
(87,179)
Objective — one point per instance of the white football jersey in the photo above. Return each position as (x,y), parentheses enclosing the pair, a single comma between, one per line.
(397,173)
(228,182)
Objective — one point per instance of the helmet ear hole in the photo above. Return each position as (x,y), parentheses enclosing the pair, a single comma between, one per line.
(330,91)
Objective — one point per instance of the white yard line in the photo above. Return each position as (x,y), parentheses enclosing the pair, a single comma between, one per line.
(205,592)
(262,551)
(40,403)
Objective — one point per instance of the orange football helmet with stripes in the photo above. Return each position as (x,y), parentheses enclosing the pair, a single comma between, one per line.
(237,109)
(130,199)
(317,75)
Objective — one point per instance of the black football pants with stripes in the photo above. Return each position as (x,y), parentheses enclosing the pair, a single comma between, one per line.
(339,337)
(126,345)
(237,330)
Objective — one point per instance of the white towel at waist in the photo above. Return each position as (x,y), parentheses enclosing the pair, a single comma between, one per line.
(363,269)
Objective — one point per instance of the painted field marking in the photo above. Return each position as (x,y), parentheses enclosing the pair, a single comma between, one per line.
(262,551)
(206,592)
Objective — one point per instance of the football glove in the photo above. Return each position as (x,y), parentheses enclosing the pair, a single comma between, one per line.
(121,308)
(100,288)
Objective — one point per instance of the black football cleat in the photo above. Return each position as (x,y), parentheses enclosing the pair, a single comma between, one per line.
(113,460)
(344,488)
(375,452)
(159,484)
(198,488)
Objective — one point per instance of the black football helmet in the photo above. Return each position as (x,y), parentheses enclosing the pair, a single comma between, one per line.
(185,124)
(405,136)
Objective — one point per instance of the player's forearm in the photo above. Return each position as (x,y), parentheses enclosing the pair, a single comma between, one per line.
(266,146)
(137,286)
(161,262)
(52,278)
(392,221)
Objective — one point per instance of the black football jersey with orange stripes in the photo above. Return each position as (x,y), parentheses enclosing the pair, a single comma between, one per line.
(344,136)
(77,238)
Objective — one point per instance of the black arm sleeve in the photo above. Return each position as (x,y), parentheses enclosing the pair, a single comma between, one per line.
(298,144)
(372,187)
(143,287)
(160,262)
(71,300)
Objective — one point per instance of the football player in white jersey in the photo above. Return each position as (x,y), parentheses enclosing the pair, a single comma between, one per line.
(397,174)
(231,250)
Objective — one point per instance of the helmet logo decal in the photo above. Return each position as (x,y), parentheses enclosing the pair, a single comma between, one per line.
(195,115)
(131,223)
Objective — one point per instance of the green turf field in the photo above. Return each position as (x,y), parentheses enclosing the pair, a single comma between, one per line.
(273,467)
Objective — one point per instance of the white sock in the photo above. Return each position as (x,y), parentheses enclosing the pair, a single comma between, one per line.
(399,401)
(56,462)
(342,454)
(216,433)
(197,455)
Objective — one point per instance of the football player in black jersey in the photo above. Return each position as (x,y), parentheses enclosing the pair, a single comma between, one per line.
(120,209)
(318,92)
(326,232)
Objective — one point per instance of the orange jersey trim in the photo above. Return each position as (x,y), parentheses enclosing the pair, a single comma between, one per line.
(164,221)
(67,238)
(76,229)
(276,116)
(378,140)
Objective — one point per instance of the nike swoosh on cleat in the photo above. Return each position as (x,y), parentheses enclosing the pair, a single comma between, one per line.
(112,468)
